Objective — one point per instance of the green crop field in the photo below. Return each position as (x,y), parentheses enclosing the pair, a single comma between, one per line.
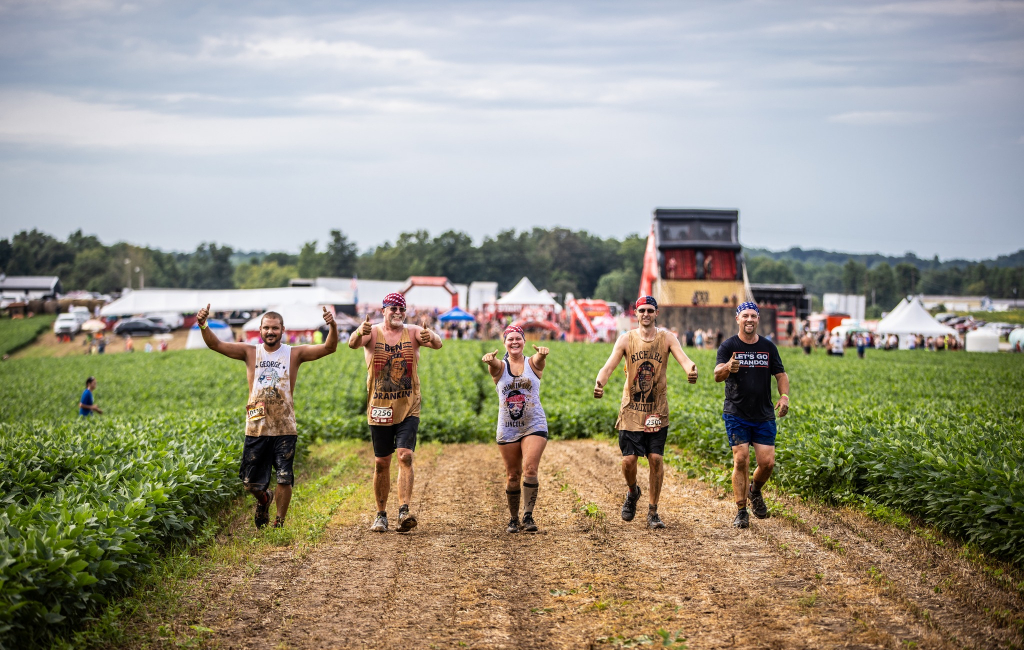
(17,333)
(86,505)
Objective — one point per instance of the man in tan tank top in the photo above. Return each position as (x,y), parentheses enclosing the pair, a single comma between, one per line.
(392,352)
(643,414)
(270,429)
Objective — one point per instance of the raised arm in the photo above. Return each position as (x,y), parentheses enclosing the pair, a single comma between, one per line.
(361,336)
(494,365)
(539,360)
(782,381)
(429,338)
(689,366)
(314,352)
(723,370)
(610,365)
(231,350)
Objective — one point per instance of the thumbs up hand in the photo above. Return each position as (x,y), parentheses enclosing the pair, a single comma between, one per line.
(203,314)
(598,390)
(691,376)
(734,364)
(424,336)
(365,328)
(489,357)
(328,317)
(542,351)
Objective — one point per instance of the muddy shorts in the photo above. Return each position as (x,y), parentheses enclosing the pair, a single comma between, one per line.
(742,431)
(638,443)
(397,436)
(260,454)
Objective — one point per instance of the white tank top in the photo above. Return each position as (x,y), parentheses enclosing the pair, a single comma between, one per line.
(519,409)
(270,411)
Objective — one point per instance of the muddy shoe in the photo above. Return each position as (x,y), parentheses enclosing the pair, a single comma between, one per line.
(278,522)
(757,505)
(406,521)
(629,505)
(654,521)
(742,519)
(529,526)
(262,516)
(380,524)
(513,526)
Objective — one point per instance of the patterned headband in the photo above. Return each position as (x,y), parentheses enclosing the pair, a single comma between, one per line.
(510,329)
(396,299)
(747,305)
(645,300)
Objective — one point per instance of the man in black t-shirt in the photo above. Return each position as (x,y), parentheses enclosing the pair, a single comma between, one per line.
(747,363)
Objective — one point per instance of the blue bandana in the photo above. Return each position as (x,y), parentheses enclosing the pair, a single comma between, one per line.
(747,305)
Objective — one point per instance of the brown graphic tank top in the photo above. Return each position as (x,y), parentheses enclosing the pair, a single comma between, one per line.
(270,411)
(392,384)
(645,394)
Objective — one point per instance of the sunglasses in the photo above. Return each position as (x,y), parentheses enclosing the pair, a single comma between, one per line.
(398,309)
(645,311)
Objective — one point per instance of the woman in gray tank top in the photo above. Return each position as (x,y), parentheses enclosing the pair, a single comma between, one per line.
(522,426)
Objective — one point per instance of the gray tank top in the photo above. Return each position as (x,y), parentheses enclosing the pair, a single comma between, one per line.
(519,409)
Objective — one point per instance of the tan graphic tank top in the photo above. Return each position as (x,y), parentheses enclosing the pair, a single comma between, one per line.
(645,394)
(270,411)
(392,385)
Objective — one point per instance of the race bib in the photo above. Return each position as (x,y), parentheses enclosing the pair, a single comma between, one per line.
(652,423)
(382,415)
(255,411)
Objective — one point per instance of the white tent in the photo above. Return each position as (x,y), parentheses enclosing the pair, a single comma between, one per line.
(218,327)
(982,340)
(189,301)
(525,294)
(912,318)
(299,318)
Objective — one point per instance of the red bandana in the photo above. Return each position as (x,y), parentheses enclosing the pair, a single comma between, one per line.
(396,299)
(510,329)
(645,300)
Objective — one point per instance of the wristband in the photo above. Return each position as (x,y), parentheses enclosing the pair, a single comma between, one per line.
(203,326)
(784,395)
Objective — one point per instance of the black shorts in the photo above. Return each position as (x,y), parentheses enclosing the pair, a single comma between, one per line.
(397,436)
(262,453)
(638,443)
(542,434)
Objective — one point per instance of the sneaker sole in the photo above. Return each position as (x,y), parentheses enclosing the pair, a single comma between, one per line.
(530,530)
(407,525)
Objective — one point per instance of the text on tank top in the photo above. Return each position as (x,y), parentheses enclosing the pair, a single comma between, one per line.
(519,410)
(644,395)
(392,384)
(271,411)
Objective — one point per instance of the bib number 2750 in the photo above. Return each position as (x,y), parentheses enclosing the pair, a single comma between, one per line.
(381,415)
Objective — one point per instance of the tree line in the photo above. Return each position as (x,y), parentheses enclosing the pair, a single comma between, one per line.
(557,259)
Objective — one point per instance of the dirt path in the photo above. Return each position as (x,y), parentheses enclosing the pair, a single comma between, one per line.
(811,578)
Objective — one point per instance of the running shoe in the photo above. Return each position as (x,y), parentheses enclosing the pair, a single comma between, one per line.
(406,521)
(380,524)
(278,522)
(513,526)
(757,505)
(529,525)
(629,505)
(742,519)
(262,516)
(654,521)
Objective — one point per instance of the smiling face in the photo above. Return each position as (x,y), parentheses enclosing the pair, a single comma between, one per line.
(271,330)
(514,343)
(748,320)
(646,315)
(394,316)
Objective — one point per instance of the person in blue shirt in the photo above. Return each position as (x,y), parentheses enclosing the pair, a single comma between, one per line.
(86,406)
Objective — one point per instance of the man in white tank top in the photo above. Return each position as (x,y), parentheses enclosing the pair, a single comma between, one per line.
(270,432)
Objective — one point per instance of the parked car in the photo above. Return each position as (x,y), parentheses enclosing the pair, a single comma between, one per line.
(139,327)
(80,313)
(169,318)
(67,324)
(1003,329)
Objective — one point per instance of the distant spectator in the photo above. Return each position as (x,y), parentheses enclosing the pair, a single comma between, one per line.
(689,338)
(862,344)
(836,345)
(86,405)
(129,344)
(807,342)
(149,347)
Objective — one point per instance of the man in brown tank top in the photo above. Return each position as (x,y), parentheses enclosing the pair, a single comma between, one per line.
(392,352)
(643,415)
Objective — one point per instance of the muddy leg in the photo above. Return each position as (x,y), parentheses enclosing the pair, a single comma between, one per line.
(382,481)
(765,455)
(282,497)
(405,476)
(629,470)
(740,472)
(657,476)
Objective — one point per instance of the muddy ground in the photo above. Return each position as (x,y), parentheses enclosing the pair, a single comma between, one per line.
(809,577)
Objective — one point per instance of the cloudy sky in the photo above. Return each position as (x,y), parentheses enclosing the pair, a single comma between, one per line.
(856,126)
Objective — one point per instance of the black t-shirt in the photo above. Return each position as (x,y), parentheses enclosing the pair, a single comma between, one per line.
(748,393)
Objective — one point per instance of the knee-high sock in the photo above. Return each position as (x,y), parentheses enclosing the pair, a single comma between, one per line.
(513,502)
(530,495)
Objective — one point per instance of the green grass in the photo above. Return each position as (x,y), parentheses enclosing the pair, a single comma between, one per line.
(19,332)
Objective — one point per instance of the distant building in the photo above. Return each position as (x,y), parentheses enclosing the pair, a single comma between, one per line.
(30,287)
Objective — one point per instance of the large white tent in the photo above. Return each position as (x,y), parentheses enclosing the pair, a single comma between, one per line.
(910,317)
(298,318)
(525,294)
(189,301)
(219,328)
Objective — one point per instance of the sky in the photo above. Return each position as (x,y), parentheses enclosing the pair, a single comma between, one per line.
(851,125)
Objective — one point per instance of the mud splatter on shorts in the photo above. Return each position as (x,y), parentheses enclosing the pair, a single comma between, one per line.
(261,454)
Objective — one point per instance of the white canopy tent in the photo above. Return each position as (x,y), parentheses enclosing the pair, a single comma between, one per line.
(298,318)
(219,328)
(189,301)
(982,340)
(910,317)
(525,294)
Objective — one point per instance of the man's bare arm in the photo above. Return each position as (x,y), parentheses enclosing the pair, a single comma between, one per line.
(361,335)
(782,380)
(231,350)
(610,365)
(428,338)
